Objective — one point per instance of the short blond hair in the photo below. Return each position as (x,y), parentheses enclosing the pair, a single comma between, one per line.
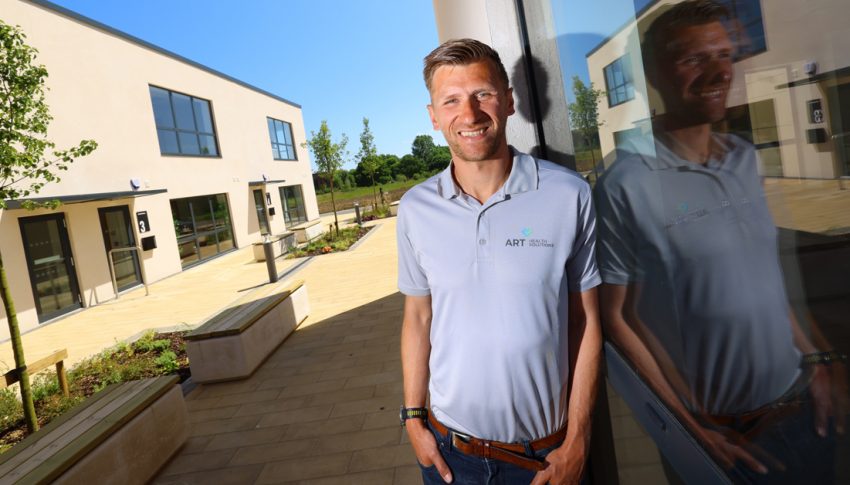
(461,52)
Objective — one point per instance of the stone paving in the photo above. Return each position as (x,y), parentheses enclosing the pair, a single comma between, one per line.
(324,407)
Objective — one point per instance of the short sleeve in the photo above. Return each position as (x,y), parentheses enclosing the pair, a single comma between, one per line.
(615,254)
(582,273)
(411,277)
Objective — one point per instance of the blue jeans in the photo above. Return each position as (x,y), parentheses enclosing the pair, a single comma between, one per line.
(470,470)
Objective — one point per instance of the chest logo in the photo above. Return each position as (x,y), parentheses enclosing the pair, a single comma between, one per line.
(527,242)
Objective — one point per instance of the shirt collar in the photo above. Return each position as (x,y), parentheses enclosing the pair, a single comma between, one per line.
(523,177)
(661,157)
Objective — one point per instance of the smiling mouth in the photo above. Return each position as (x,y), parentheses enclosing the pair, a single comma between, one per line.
(714,93)
(472,134)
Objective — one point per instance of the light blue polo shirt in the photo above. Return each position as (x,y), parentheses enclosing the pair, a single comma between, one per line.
(700,244)
(498,274)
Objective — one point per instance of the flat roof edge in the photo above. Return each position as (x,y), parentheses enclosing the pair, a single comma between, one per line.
(143,43)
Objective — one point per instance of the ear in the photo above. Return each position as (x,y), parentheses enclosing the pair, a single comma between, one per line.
(510,96)
(434,123)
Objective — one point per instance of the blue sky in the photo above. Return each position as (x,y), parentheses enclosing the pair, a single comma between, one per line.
(581,25)
(340,60)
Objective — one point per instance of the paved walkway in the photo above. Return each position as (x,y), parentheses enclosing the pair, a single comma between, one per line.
(324,407)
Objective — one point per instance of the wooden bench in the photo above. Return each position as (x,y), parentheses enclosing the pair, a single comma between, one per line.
(56,358)
(307,231)
(234,342)
(123,434)
(281,244)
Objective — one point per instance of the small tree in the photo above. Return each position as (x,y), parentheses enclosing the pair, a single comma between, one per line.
(368,157)
(24,168)
(329,157)
(584,114)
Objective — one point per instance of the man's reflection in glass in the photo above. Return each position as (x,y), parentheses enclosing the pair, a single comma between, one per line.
(694,293)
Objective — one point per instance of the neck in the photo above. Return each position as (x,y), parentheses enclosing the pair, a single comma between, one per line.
(691,143)
(481,180)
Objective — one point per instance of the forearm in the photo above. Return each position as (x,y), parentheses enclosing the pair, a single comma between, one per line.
(416,350)
(586,354)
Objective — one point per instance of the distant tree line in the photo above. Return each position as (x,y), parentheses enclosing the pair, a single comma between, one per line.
(425,159)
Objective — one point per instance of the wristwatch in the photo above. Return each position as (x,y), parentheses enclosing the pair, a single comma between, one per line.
(411,413)
(824,358)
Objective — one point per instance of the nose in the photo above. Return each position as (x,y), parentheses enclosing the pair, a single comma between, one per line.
(719,70)
(470,111)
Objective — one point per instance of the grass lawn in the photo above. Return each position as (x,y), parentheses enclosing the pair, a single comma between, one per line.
(346,199)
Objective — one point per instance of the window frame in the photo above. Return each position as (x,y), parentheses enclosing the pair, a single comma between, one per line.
(628,79)
(178,131)
(275,143)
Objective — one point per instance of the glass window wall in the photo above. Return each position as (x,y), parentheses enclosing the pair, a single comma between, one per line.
(202,226)
(723,205)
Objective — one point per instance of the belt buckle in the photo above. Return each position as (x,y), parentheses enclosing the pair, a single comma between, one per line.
(463,437)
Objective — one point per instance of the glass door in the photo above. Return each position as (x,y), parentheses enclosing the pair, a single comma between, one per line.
(51,265)
(118,233)
(262,217)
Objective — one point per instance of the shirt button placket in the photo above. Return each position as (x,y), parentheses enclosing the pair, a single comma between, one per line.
(483,237)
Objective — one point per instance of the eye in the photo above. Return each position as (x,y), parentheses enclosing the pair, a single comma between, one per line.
(484,95)
(690,61)
(450,101)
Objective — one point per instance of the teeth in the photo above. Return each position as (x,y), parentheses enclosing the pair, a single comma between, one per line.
(711,94)
(472,133)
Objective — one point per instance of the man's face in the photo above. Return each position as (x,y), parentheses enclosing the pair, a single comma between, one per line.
(695,72)
(470,105)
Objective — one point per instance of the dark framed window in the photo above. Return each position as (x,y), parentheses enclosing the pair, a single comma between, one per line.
(619,82)
(292,199)
(280,132)
(184,124)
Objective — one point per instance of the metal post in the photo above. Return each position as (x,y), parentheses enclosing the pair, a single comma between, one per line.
(268,251)
(138,251)
(357,214)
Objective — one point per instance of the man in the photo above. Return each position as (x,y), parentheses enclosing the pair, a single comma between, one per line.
(693,291)
(496,259)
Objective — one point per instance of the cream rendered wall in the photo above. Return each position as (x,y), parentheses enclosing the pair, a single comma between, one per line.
(624,116)
(99,89)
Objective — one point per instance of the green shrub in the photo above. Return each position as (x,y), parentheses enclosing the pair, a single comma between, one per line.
(401,177)
(10,408)
(44,385)
(167,362)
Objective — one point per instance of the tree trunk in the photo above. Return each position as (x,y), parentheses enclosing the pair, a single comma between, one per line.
(333,204)
(18,350)
(593,159)
(374,196)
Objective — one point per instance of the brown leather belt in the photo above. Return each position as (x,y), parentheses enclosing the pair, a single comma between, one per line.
(514,453)
(772,411)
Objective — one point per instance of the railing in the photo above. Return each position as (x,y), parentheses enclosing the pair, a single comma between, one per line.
(138,251)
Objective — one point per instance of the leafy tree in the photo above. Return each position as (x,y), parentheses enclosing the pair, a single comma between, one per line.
(411,165)
(584,114)
(329,157)
(423,148)
(390,165)
(441,156)
(368,157)
(24,166)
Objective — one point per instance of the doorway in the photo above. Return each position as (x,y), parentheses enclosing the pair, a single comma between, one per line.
(118,233)
(51,265)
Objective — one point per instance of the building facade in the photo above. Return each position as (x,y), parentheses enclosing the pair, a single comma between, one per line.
(191,163)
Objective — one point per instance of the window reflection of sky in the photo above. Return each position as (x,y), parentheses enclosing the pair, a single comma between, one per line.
(580,26)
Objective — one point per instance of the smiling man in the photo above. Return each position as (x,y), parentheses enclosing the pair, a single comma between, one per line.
(496,259)
(693,289)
